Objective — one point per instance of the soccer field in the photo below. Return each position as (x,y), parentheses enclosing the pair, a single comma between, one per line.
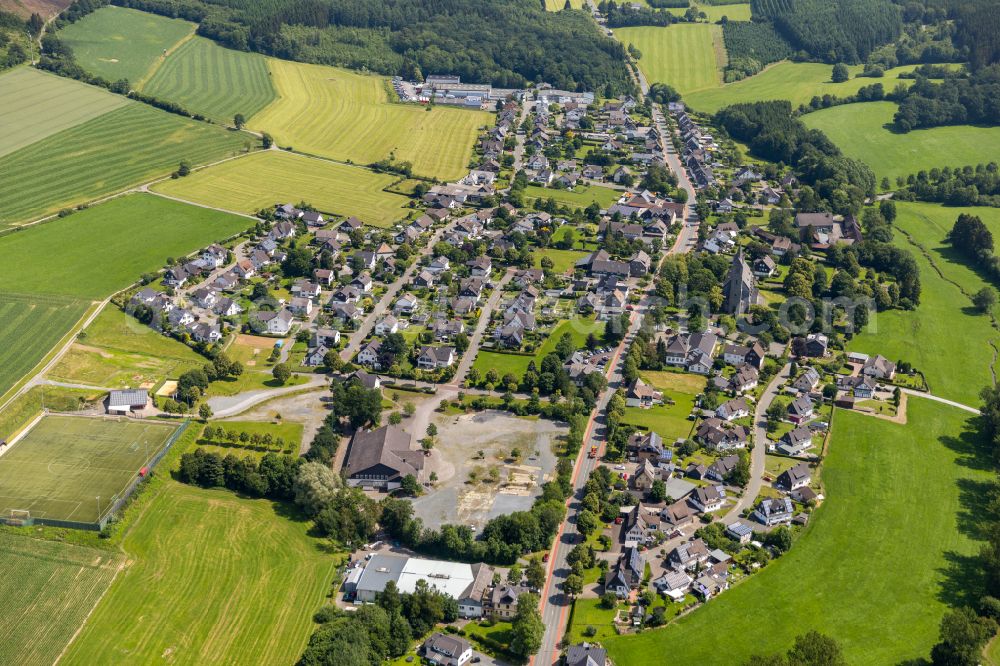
(72,468)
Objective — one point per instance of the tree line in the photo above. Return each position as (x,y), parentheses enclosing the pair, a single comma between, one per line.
(960,99)
(511,44)
(961,186)
(773,133)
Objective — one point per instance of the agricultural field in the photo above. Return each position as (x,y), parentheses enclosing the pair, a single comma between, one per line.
(580,197)
(119,43)
(216,82)
(104,155)
(48,589)
(265,178)
(38,104)
(944,326)
(862,131)
(579,328)
(557,5)
(688,56)
(30,326)
(118,351)
(893,493)
(71,468)
(714,13)
(348,116)
(95,252)
(214,579)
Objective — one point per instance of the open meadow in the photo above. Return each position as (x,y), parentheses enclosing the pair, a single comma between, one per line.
(863,131)
(893,494)
(688,56)
(116,350)
(213,579)
(348,116)
(266,178)
(97,251)
(30,326)
(217,82)
(944,326)
(103,155)
(579,328)
(72,468)
(38,104)
(579,197)
(48,589)
(798,82)
(669,420)
(563,261)
(120,43)
(558,5)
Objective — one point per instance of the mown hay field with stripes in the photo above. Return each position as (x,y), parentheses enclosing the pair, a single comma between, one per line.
(265,178)
(103,155)
(120,43)
(37,104)
(349,116)
(216,82)
(73,468)
(213,579)
(31,325)
(688,56)
(48,588)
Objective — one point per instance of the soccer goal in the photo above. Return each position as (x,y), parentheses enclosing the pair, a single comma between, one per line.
(19,518)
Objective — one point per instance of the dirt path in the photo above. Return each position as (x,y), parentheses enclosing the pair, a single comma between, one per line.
(155,67)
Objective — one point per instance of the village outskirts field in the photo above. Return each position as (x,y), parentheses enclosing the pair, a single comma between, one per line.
(92,203)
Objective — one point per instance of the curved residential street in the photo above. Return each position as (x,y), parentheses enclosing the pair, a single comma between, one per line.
(758,455)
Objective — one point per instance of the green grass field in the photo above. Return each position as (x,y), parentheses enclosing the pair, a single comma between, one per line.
(688,56)
(860,131)
(118,43)
(347,116)
(797,82)
(893,494)
(38,104)
(562,260)
(260,180)
(217,82)
(557,5)
(669,421)
(48,588)
(103,155)
(944,327)
(98,251)
(214,579)
(31,325)
(62,465)
(118,351)
(579,328)
(580,197)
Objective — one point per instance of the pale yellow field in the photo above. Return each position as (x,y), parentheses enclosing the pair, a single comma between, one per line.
(265,178)
(347,116)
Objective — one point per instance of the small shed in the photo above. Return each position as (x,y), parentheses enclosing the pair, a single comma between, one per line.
(127,400)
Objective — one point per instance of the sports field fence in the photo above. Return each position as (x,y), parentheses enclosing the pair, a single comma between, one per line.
(23,518)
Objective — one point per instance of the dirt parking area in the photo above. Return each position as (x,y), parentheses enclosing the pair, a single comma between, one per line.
(487,464)
(309,409)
